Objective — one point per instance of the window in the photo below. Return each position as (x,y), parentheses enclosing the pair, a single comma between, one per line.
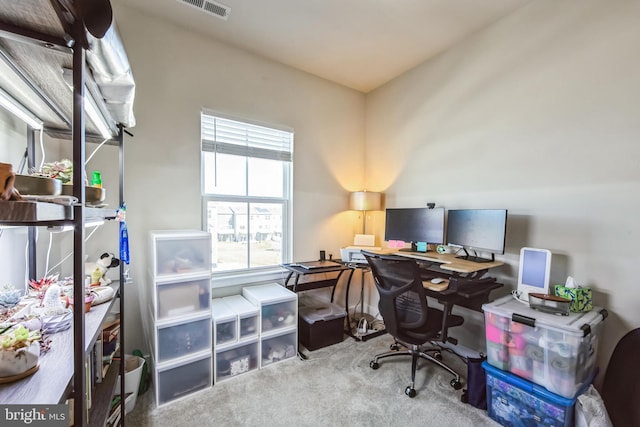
(246,181)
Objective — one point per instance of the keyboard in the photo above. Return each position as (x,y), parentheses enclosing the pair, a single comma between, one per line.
(470,289)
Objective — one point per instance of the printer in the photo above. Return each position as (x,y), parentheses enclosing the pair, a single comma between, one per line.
(353,254)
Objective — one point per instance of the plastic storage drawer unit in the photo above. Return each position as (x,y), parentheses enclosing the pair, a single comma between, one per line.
(183,338)
(512,401)
(554,351)
(236,360)
(248,316)
(278,348)
(278,307)
(182,378)
(225,323)
(181,252)
(184,297)
(321,324)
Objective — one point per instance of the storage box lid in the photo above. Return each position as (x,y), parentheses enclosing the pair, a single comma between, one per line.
(316,312)
(579,324)
(240,305)
(269,293)
(220,310)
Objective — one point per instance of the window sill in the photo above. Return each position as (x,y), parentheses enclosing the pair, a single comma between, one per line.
(235,278)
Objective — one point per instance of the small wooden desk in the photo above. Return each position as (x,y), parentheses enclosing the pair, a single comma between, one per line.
(295,268)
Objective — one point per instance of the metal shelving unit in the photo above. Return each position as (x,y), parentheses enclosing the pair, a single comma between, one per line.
(56,29)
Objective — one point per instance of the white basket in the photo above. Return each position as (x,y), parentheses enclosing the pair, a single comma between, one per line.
(133,372)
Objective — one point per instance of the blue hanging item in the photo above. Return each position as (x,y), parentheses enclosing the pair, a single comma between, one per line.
(124,234)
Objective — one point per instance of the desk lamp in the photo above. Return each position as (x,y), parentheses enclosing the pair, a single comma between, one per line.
(365,201)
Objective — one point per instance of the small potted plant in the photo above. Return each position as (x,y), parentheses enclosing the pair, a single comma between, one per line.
(19,351)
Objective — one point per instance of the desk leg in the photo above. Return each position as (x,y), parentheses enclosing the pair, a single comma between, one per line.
(333,290)
(348,330)
(286,281)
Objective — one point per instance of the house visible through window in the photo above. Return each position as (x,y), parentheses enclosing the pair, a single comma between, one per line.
(246,180)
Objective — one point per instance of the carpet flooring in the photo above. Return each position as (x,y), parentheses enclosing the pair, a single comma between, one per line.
(335,386)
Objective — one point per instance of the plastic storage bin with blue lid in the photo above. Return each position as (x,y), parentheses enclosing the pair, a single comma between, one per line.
(515,402)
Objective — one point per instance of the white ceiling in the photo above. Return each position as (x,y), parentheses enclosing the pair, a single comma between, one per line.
(361,44)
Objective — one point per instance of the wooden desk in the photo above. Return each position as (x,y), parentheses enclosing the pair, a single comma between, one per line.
(450,262)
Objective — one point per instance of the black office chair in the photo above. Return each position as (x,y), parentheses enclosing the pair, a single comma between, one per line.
(621,387)
(407,315)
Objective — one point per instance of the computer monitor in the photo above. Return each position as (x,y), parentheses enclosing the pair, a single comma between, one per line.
(479,230)
(415,225)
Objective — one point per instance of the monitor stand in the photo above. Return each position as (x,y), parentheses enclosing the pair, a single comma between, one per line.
(477,259)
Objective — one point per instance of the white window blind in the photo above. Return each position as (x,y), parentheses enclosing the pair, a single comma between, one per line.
(225,136)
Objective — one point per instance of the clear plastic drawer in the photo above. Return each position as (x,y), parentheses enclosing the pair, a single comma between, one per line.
(181,380)
(182,253)
(179,340)
(183,298)
(279,348)
(236,360)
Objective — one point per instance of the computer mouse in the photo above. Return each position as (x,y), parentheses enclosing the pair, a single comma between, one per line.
(437,280)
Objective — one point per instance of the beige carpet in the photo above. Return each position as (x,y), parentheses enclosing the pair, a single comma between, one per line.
(335,386)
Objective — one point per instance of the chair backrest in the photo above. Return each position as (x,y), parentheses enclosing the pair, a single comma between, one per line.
(621,387)
(403,301)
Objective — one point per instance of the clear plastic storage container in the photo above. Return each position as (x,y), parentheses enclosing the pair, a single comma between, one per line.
(182,378)
(182,297)
(225,323)
(236,360)
(182,338)
(554,351)
(248,316)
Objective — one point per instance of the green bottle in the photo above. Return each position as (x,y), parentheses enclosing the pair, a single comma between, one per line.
(96,180)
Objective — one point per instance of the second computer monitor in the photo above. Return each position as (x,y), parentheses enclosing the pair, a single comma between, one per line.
(482,230)
(415,225)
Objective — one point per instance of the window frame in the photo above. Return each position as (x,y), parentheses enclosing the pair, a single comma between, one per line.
(251,274)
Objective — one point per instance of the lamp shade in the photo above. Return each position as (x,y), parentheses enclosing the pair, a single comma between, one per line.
(365,201)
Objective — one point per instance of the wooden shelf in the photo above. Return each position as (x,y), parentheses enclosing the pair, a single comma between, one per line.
(103,394)
(41,213)
(49,384)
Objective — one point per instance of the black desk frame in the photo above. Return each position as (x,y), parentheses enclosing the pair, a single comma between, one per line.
(307,286)
(475,293)
(317,284)
(364,267)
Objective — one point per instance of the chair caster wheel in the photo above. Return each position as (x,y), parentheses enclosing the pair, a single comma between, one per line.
(374,365)
(437,355)
(411,392)
(457,385)
(394,347)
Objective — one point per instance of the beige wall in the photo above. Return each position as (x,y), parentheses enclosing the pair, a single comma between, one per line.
(537,114)
(177,74)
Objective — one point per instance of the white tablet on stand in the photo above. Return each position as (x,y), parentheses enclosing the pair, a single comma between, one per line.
(533,272)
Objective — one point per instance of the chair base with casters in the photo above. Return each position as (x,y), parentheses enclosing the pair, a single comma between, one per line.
(416,351)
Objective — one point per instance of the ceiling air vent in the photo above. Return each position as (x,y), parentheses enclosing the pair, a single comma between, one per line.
(213,8)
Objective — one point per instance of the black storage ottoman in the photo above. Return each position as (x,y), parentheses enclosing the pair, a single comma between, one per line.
(320,324)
